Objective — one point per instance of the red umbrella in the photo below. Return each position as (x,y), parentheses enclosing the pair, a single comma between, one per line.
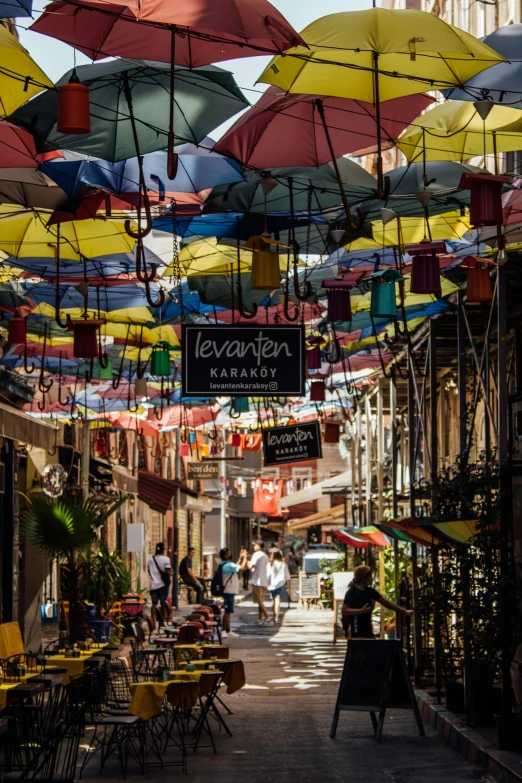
(179,416)
(197,32)
(289,130)
(17,148)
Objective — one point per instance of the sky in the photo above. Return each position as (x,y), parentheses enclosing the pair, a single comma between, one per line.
(55,58)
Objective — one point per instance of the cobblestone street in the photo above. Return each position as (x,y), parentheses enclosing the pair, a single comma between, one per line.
(282,718)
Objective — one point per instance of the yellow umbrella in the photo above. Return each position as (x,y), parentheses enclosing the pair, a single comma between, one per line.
(455,131)
(208,256)
(346,48)
(450,225)
(20,77)
(25,234)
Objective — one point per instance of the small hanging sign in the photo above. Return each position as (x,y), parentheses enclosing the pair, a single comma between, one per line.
(294,443)
(243,360)
(201,471)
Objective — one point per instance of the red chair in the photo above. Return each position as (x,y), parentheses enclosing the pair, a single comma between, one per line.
(204,634)
(189,633)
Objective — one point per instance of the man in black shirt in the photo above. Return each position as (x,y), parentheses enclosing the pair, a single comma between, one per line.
(188,578)
(359,603)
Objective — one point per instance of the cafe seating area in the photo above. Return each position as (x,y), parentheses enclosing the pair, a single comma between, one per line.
(85,707)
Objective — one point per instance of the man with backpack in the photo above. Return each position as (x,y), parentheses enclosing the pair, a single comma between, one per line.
(160,570)
(225,584)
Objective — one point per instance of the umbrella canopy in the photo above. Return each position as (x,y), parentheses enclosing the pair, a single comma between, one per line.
(197,32)
(30,188)
(287,130)
(314,189)
(217,290)
(17,148)
(26,235)
(118,266)
(16,9)
(204,98)
(126,302)
(198,168)
(20,77)
(497,84)
(346,48)
(209,256)
(456,131)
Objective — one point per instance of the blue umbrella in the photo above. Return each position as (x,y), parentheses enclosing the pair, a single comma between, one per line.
(230,225)
(16,8)
(501,83)
(101,266)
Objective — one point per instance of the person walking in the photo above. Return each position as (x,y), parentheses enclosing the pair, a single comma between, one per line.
(359,602)
(230,572)
(278,579)
(293,562)
(244,557)
(258,566)
(187,575)
(160,572)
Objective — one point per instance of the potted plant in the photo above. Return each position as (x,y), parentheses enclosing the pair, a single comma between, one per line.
(107,579)
(65,530)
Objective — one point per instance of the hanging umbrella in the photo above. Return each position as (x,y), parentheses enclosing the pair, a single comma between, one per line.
(29,188)
(456,131)
(20,77)
(312,190)
(191,33)
(123,303)
(289,130)
(497,84)
(451,225)
(199,168)
(211,257)
(16,9)
(17,148)
(377,55)
(105,267)
(217,290)
(121,92)
(26,235)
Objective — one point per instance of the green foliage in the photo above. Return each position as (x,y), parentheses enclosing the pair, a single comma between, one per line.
(329,566)
(106,577)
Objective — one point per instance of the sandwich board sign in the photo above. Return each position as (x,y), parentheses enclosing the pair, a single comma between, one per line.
(374,679)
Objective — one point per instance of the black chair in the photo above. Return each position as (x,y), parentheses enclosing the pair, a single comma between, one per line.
(145,660)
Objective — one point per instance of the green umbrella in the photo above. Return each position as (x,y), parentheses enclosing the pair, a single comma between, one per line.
(217,290)
(313,190)
(204,98)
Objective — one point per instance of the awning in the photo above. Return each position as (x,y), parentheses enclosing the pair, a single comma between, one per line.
(429,533)
(350,539)
(320,518)
(21,427)
(122,479)
(342,480)
(158,492)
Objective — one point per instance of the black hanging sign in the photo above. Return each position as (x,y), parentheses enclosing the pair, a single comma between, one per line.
(294,443)
(374,678)
(201,471)
(243,360)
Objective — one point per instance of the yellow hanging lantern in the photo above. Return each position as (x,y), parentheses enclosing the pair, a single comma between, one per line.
(265,274)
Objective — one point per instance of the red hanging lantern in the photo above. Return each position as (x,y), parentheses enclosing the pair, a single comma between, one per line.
(74,112)
(16,330)
(425,270)
(478,279)
(85,340)
(313,357)
(184,450)
(318,390)
(331,431)
(486,198)
(235,440)
(101,445)
(338,296)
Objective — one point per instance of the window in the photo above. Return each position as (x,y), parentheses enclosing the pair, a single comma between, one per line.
(302,478)
(270,473)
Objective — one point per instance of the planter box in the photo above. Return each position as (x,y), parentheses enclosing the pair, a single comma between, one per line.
(101,628)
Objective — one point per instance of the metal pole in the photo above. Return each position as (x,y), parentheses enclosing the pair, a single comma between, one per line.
(368,413)
(395,499)
(380,451)
(359,466)
(223,503)
(175,537)
(437,635)
(506,581)
(412,421)
(85,460)
(461,370)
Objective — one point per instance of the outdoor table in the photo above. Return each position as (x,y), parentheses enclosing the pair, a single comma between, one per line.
(18,691)
(147,697)
(233,671)
(72,665)
(5,687)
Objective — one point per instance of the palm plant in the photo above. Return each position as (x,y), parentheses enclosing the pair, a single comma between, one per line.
(64,530)
(107,577)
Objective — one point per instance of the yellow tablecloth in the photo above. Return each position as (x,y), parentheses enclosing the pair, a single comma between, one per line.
(11,642)
(73,665)
(234,671)
(147,697)
(4,687)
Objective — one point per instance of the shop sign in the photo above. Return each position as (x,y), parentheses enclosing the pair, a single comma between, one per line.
(201,471)
(294,443)
(243,360)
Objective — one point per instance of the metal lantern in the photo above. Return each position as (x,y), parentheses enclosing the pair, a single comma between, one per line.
(486,198)
(85,344)
(313,358)
(318,390)
(331,431)
(265,274)
(140,387)
(478,285)
(74,113)
(160,359)
(101,445)
(241,405)
(425,269)
(16,330)
(235,440)
(105,373)
(383,302)
(338,296)
(184,450)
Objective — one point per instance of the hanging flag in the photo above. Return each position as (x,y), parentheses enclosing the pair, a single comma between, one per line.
(266,497)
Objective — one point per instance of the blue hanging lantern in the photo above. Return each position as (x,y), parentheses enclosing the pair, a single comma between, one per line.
(241,405)
(383,303)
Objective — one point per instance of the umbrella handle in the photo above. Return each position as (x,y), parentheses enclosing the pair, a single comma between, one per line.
(286,307)
(28,369)
(161,296)
(338,353)
(116,381)
(141,232)
(383,184)
(60,384)
(307,291)
(141,265)
(41,403)
(172,157)
(240,306)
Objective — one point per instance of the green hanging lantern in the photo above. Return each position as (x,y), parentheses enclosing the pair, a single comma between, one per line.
(160,359)
(241,405)
(383,303)
(105,373)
